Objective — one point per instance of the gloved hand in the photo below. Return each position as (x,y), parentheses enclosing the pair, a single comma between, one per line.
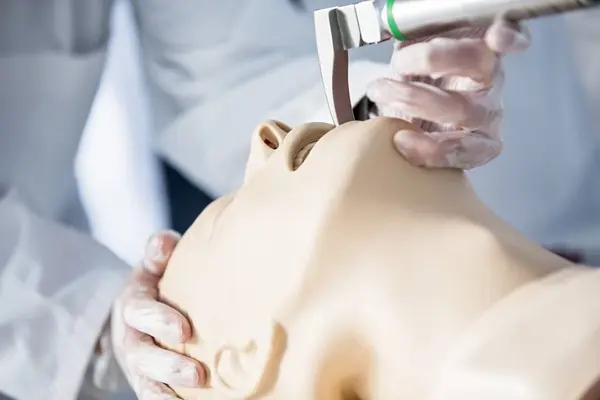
(138,318)
(450,87)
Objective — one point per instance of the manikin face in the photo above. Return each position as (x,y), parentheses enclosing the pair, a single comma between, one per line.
(339,272)
(288,220)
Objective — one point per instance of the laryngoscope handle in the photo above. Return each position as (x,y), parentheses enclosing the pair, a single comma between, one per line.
(411,19)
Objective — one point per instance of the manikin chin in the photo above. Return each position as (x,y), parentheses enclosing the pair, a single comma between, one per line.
(340,272)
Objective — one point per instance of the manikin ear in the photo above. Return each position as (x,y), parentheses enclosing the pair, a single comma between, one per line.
(265,140)
(249,367)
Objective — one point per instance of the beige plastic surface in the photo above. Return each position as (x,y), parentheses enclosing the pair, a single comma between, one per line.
(340,272)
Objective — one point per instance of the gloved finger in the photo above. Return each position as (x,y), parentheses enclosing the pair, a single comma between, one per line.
(141,310)
(441,57)
(506,36)
(463,150)
(146,359)
(147,389)
(141,284)
(156,319)
(427,102)
(158,250)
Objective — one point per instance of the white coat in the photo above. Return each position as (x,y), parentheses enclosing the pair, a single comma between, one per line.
(56,284)
(216,69)
(546,182)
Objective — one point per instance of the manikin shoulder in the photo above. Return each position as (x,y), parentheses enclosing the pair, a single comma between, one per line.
(540,342)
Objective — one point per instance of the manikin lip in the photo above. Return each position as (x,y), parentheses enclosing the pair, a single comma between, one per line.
(303,154)
(300,146)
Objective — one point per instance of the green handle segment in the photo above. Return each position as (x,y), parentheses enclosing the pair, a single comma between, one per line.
(392,23)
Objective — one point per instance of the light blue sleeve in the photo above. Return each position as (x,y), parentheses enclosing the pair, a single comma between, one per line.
(56,284)
(56,289)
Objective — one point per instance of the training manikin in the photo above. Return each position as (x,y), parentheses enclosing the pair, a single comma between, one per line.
(340,272)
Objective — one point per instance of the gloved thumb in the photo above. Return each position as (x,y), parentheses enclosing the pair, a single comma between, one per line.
(506,36)
(418,148)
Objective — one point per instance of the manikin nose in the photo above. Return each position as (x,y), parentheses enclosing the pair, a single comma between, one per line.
(266,140)
(292,146)
(272,134)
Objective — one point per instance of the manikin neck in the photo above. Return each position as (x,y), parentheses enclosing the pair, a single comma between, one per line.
(379,179)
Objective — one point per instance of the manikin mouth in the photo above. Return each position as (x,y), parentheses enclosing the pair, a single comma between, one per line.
(305,146)
(303,154)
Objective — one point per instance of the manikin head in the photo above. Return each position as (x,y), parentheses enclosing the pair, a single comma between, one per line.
(283,279)
(297,182)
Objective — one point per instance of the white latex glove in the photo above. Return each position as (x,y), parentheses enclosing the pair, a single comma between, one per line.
(450,87)
(138,317)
